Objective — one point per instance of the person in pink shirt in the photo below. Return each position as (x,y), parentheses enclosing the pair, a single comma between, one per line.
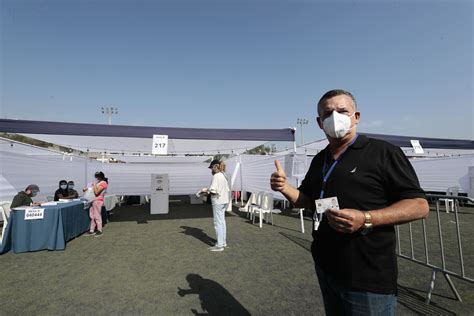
(100,188)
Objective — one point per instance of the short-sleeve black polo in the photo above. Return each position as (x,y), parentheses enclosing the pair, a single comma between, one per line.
(370,175)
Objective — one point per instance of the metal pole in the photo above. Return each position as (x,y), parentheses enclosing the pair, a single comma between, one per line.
(411,242)
(302,134)
(432,284)
(425,240)
(440,236)
(397,232)
(458,232)
(453,288)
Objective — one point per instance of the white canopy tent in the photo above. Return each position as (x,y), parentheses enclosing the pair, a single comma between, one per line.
(132,145)
(23,164)
(121,139)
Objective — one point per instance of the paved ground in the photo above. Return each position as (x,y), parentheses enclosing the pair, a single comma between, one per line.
(160,265)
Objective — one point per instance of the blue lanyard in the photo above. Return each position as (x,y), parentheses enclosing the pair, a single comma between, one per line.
(331,169)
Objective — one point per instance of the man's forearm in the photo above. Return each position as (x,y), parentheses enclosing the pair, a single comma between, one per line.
(296,197)
(401,212)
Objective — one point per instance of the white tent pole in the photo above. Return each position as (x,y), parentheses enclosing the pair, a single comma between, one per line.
(234,176)
(85,172)
(241,184)
(294,141)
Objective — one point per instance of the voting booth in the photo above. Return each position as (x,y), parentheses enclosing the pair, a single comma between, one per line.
(159,201)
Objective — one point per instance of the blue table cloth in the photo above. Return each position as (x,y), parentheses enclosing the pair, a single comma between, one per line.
(60,224)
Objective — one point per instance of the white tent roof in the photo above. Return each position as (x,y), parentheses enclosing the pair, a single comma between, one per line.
(144,145)
(139,139)
(159,159)
(432,147)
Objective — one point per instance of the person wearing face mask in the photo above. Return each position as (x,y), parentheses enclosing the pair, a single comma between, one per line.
(376,188)
(23,198)
(100,188)
(72,194)
(61,193)
(220,198)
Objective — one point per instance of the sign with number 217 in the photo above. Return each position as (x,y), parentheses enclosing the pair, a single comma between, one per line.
(160,145)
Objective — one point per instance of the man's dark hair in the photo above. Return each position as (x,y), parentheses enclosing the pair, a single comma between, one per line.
(333,93)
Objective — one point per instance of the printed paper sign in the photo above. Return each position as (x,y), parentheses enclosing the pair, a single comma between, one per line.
(416,146)
(160,145)
(299,166)
(34,213)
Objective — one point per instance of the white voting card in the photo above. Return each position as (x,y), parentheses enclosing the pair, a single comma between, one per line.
(322,205)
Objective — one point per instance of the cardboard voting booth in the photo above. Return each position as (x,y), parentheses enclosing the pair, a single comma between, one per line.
(160,188)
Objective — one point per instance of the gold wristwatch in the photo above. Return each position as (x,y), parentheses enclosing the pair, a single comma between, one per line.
(367,227)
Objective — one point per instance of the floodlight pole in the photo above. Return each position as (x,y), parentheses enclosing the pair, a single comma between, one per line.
(301,122)
(109,111)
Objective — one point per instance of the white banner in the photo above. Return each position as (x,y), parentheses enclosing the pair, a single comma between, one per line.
(34,213)
(160,145)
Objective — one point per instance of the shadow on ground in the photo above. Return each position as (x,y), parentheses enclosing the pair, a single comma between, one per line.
(199,234)
(303,243)
(214,298)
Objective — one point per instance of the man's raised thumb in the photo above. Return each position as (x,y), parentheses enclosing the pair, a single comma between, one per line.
(278,166)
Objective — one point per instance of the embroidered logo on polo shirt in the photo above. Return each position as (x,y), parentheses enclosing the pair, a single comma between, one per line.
(353,170)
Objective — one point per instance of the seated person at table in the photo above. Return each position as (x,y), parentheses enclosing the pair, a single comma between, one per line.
(61,193)
(72,194)
(23,198)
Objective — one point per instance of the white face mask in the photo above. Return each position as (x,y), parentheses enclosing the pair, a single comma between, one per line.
(70,187)
(337,125)
(63,187)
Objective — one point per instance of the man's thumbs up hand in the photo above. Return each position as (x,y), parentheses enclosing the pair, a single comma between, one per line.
(278,179)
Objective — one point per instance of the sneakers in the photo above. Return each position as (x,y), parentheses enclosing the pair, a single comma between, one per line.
(215,248)
(215,245)
(98,233)
(89,234)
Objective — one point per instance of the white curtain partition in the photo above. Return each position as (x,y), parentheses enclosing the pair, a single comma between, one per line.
(255,171)
(435,174)
(21,165)
(19,170)
(135,179)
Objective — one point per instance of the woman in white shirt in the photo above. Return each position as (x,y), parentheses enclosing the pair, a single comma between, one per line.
(220,198)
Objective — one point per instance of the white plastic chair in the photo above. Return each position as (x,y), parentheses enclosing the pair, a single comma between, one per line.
(245,208)
(265,208)
(301,211)
(449,203)
(6,207)
(5,222)
(256,202)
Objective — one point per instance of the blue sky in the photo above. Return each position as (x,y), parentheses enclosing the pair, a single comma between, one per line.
(240,64)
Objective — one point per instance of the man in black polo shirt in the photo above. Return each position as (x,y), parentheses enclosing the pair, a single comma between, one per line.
(376,188)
